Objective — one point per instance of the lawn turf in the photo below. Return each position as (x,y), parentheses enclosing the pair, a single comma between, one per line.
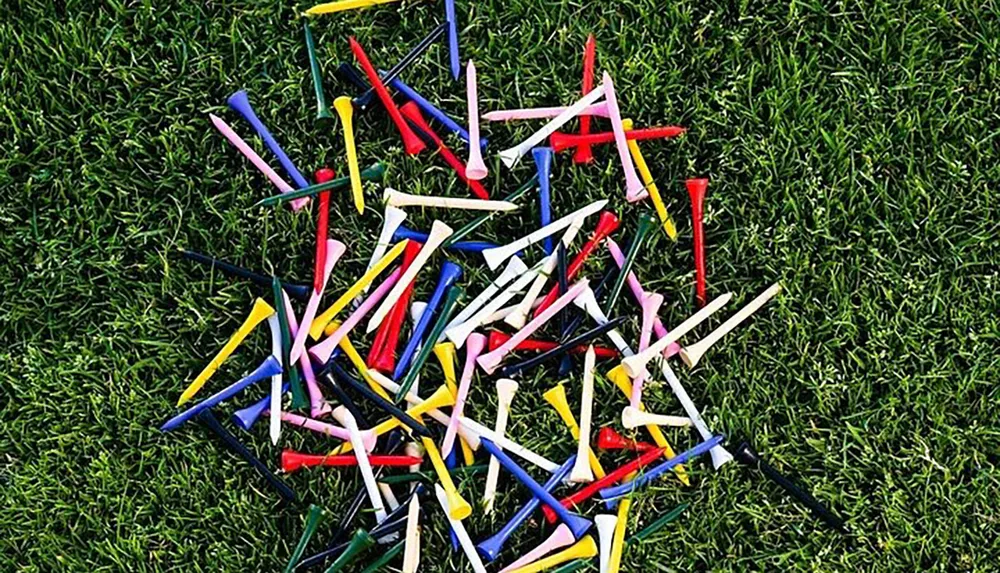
(853,154)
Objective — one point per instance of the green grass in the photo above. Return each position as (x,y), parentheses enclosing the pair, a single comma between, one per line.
(853,152)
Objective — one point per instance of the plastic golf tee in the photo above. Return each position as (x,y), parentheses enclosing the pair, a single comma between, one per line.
(562,141)
(691,354)
(439,232)
(268,368)
(616,475)
(647,180)
(583,153)
(320,322)
(400,199)
(556,397)
(240,103)
(507,444)
(543,167)
(506,388)
(259,163)
(260,311)
(696,190)
(345,111)
(274,427)
(577,524)
(634,187)
(322,351)
(515,268)
(360,452)
(457,508)
(651,304)
(292,461)
(633,418)
(459,529)
(342,5)
(613,493)
(598,109)
(639,294)
(561,537)
(586,548)
(411,142)
(606,525)
(450,273)
(475,169)
(411,111)
(511,156)
(519,316)
(491,547)
(411,555)
(312,522)
(490,361)
(607,223)
(208,419)
(495,257)
(581,471)
(636,364)
(474,346)
(609,439)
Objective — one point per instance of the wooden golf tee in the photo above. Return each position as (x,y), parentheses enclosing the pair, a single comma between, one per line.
(411,111)
(495,257)
(447,356)
(266,369)
(322,111)
(467,229)
(562,141)
(259,163)
(556,397)
(322,223)
(634,187)
(583,152)
(606,525)
(586,548)
(457,508)
(511,156)
(360,541)
(515,268)
(382,354)
(581,471)
(618,541)
(411,142)
(452,19)
(292,461)
(312,522)
(286,316)
(598,109)
(633,418)
(647,180)
(496,338)
(206,417)
(639,294)
(300,292)
(392,219)
(320,322)
(334,250)
(439,232)
(277,390)
(491,547)
(616,475)
(363,102)
(449,275)
(345,111)
(411,555)
(454,295)
(240,103)
(327,429)
(260,311)
(445,500)
(344,417)
(561,537)
(475,169)
(519,316)
(696,190)
(620,378)
(490,361)
(651,304)
(342,5)
(400,199)
(691,354)
(506,388)
(441,398)
(374,172)
(577,524)
(387,406)
(645,224)
(613,494)
(636,364)
(338,336)
(543,167)
(473,347)
(609,439)
(607,223)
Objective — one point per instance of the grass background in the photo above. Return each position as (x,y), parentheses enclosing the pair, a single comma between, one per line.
(853,154)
